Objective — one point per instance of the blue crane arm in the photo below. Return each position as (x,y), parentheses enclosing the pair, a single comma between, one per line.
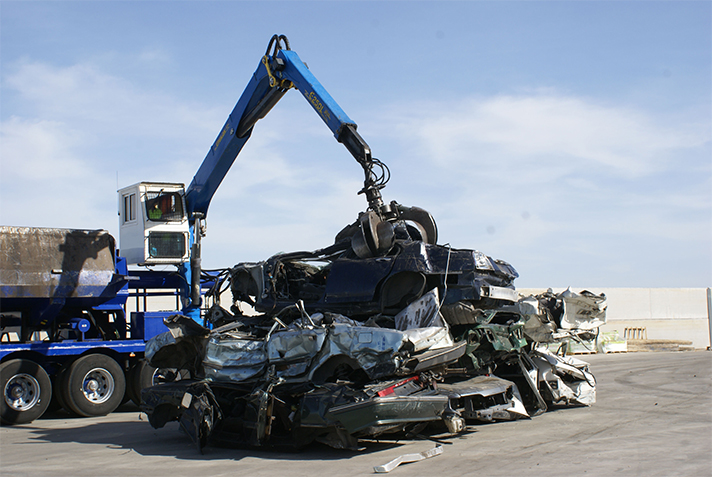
(274,76)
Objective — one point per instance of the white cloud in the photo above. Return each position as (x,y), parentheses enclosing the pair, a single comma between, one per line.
(74,130)
(45,182)
(37,149)
(559,185)
(569,132)
(84,95)
(537,180)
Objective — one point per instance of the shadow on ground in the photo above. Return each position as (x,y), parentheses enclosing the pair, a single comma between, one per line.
(138,436)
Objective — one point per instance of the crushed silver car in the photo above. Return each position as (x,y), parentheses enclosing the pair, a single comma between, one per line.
(564,380)
(321,377)
(262,381)
(551,318)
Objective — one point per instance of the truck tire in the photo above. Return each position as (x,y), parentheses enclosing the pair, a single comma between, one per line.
(94,385)
(27,391)
(139,377)
(143,376)
(58,387)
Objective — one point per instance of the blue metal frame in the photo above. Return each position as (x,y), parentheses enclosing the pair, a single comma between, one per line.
(228,145)
(72,348)
(274,76)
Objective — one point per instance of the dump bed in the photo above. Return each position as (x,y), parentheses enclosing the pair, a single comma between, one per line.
(48,267)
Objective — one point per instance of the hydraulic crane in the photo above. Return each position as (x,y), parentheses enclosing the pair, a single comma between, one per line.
(173,217)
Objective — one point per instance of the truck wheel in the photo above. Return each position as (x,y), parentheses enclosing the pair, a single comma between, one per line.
(143,376)
(60,389)
(27,391)
(94,385)
(139,377)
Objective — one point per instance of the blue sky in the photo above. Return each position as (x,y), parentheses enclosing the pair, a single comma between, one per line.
(571,139)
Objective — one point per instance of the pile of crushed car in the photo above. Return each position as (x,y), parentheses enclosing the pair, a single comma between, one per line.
(382,334)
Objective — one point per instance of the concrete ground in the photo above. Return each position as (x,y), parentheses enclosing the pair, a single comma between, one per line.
(653,417)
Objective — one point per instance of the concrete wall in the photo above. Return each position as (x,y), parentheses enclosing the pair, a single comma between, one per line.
(665,313)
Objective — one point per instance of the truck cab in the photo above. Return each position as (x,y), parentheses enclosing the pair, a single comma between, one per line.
(154,227)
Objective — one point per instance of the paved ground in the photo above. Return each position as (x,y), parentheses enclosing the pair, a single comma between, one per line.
(653,417)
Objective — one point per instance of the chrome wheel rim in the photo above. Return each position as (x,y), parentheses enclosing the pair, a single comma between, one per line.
(98,385)
(22,392)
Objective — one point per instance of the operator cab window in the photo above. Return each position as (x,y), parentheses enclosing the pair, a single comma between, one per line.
(164,206)
(129,208)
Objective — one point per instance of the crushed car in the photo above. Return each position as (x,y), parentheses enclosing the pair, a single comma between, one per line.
(554,318)
(564,380)
(343,279)
(380,334)
(554,321)
(321,377)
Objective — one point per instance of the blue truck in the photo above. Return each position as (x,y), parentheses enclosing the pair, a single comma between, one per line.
(65,330)
(66,336)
